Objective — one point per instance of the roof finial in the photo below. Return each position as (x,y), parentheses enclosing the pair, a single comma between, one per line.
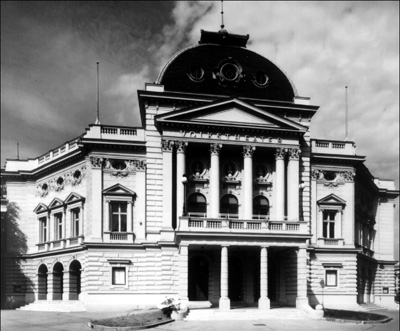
(222,17)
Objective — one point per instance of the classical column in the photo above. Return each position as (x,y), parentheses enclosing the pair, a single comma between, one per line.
(280,183)
(248,152)
(129,227)
(50,284)
(302,298)
(66,286)
(263,302)
(293,184)
(183,272)
(180,171)
(214,180)
(167,148)
(224,302)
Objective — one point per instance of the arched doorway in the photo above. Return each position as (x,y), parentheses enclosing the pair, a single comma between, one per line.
(42,282)
(74,280)
(58,281)
(198,278)
(235,279)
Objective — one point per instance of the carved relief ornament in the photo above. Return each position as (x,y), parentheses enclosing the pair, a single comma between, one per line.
(215,149)
(167,145)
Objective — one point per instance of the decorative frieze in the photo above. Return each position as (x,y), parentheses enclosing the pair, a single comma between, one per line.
(73,177)
(122,168)
(333,178)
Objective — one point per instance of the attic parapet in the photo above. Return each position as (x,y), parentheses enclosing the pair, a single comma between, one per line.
(388,184)
(31,164)
(110,132)
(334,147)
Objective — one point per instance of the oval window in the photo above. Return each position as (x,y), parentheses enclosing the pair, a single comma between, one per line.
(118,164)
(261,79)
(230,71)
(329,175)
(196,74)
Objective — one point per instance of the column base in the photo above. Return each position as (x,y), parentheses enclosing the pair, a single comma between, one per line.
(301,302)
(264,303)
(224,304)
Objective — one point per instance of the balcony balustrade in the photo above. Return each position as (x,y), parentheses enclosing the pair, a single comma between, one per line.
(60,244)
(232,224)
(338,242)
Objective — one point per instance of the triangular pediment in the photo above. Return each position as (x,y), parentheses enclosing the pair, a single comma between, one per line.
(40,208)
(229,113)
(73,197)
(118,189)
(56,203)
(331,199)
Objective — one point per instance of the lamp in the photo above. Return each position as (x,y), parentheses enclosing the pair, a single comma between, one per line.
(184,182)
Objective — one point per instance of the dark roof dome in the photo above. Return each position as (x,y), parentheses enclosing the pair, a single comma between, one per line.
(221,65)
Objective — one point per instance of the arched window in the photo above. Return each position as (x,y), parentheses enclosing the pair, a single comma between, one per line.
(229,206)
(260,207)
(197,205)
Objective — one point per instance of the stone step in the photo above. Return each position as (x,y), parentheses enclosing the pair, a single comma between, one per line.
(59,306)
(245,314)
(371,306)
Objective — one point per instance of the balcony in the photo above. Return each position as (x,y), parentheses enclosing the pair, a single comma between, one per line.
(118,237)
(235,225)
(333,147)
(60,244)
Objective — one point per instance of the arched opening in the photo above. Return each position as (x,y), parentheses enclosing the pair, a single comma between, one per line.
(198,278)
(42,282)
(229,206)
(197,205)
(260,207)
(235,276)
(74,280)
(58,281)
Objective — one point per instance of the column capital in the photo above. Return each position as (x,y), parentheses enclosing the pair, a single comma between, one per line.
(215,149)
(96,162)
(248,151)
(280,153)
(181,146)
(167,145)
(294,153)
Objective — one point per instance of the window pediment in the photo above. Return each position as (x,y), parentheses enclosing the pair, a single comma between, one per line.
(332,200)
(56,203)
(119,190)
(74,197)
(40,208)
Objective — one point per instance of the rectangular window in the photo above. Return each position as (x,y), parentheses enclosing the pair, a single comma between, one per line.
(58,226)
(331,278)
(75,217)
(118,216)
(328,228)
(118,276)
(43,229)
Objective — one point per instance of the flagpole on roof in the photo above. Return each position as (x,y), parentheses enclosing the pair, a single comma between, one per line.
(347,116)
(98,97)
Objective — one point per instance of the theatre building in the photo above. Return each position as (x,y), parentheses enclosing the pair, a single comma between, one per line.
(220,197)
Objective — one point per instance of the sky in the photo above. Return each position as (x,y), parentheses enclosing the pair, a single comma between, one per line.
(49,52)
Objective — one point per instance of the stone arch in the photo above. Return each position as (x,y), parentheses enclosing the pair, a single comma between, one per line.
(229,205)
(42,281)
(74,270)
(197,204)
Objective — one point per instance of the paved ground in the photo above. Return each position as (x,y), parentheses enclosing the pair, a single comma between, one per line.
(16,320)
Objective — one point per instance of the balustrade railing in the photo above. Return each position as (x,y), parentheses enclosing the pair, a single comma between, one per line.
(190,223)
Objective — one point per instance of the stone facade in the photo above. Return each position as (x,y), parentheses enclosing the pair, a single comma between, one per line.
(220,199)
